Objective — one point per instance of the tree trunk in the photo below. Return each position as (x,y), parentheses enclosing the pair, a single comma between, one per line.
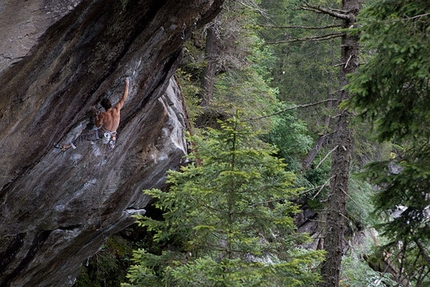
(336,207)
(211,54)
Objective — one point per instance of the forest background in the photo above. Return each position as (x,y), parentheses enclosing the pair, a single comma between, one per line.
(279,68)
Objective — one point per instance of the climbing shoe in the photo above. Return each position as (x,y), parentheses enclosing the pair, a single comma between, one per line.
(65,147)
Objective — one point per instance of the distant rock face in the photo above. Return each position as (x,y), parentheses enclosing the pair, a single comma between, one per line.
(58,208)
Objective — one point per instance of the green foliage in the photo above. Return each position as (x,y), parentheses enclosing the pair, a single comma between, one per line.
(242,76)
(366,146)
(227,220)
(413,269)
(109,266)
(289,135)
(356,272)
(404,183)
(244,81)
(392,89)
(190,90)
(359,205)
(392,92)
(304,71)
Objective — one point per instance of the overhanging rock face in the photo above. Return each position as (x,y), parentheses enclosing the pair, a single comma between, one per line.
(58,208)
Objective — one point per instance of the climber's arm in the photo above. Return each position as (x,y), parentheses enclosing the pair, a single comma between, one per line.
(124,96)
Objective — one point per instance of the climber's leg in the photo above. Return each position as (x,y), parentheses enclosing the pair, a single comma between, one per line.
(91,135)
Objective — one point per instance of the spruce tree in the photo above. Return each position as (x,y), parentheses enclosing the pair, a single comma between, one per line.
(228,220)
(392,92)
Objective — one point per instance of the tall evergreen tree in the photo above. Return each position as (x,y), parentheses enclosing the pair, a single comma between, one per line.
(392,92)
(338,196)
(227,63)
(228,220)
(342,135)
(305,65)
(212,48)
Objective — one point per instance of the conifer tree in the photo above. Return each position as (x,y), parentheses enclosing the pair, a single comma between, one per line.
(342,136)
(392,91)
(228,220)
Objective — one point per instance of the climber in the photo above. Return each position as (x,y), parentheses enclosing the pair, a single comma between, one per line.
(106,123)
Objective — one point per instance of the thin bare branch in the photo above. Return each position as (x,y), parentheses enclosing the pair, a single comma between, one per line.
(308,39)
(405,18)
(350,197)
(340,14)
(252,5)
(303,27)
(292,108)
(347,62)
(319,187)
(318,165)
(322,186)
(417,16)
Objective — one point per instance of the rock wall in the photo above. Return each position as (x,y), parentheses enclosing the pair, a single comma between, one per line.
(22,23)
(58,208)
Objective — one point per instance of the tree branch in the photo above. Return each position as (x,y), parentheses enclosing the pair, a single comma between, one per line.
(318,165)
(417,16)
(306,163)
(423,251)
(303,27)
(322,186)
(340,14)
(309,39)
(291,108)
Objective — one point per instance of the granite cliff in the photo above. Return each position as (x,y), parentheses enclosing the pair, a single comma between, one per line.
(61,58)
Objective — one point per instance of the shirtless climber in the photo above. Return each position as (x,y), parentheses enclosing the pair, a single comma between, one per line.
(106,123)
